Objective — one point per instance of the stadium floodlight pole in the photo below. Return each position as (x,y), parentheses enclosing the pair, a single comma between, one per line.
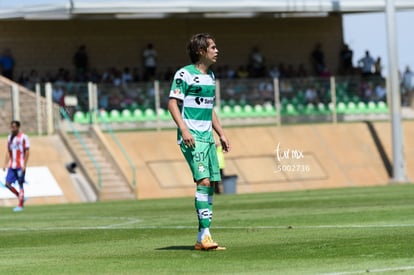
(397,137)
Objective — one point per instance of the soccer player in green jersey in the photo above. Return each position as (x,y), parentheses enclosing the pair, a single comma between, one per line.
(191,106)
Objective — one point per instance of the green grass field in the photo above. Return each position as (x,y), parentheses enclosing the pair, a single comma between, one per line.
(339,231)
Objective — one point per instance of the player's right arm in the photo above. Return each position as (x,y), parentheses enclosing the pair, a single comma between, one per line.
(188,138)
(6,160)
(178,90)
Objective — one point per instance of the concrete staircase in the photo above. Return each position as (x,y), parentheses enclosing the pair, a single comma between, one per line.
(90,154)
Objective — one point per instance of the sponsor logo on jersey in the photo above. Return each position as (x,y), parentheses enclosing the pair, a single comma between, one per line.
(202,100)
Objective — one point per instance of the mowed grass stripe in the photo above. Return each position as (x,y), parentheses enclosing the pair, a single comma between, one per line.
(308,232)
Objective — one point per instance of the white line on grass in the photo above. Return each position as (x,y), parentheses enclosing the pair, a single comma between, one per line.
(136,221)
(400,268)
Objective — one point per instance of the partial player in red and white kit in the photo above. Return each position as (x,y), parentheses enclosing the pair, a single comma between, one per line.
(15,161)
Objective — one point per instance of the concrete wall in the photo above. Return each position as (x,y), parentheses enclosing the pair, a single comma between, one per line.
(50,152)
(313,157)
(49,45)
(316,156)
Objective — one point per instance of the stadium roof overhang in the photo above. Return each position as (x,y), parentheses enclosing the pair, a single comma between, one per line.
(109,9)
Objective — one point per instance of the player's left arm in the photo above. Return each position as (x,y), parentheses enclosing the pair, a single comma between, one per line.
(225,144)
(26,158)
(26,152)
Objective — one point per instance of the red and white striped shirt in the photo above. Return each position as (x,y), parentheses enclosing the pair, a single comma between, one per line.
(17,149)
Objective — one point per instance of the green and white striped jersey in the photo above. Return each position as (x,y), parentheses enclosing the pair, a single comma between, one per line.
(196,91)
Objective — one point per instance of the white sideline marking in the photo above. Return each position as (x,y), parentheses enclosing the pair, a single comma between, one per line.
(401,268)
(132,221)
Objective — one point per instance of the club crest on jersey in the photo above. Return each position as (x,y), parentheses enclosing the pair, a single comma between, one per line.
(177,91)
(201,168)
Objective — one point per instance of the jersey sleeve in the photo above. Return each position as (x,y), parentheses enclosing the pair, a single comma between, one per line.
(26,142)
(179,85)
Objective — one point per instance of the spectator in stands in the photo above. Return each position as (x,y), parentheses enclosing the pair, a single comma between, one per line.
(23,79)
(369,92)
(290,71)
(229,72)
(168,74)
(302,72)
(345,57)
(311,95)
(242,72)
(318,59)
(149,58)
(282,70)
(256,63)
(126,76)
(114,99)
(7,63)
(381,92)
(378,67)
(266,91)
(15,161)
(58,93)
(274,72)
(34,78)
(407,86)
(366,64)
(136,75)
(81,63)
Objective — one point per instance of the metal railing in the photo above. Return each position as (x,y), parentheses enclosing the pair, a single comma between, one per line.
(276,101)
(87,151)
(133,182)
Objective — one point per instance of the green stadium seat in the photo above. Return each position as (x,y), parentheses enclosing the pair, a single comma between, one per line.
(259,110)
(351,108)
(284,101)
(341,107)
(114,116)
(138,115)
(269,110)
(300,108)
(321,108)
(237,111)
(149,114)
(231,102)
(290,110)
(226,111)
(362,107)
(248,111)
(81,117)
(371,107)
(355,99)
(382,107)
(126,115)
(310,109)
(242,102)
(103,116)
(133,106)
(164,114)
